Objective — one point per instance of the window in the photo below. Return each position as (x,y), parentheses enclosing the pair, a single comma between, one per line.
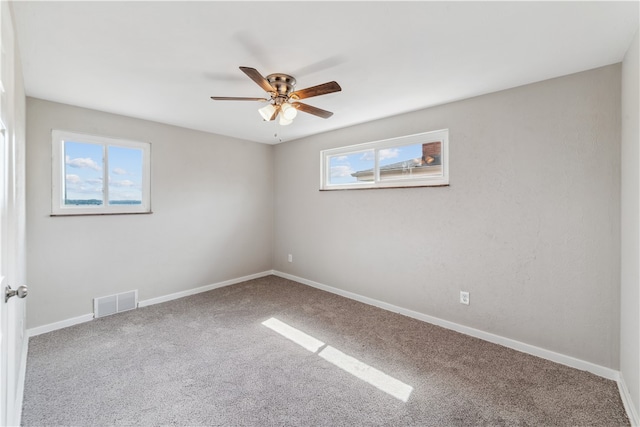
(98,175)
(410,161)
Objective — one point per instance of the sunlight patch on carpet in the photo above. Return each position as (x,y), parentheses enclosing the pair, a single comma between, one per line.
(295,335)
(355,367)
(376,378)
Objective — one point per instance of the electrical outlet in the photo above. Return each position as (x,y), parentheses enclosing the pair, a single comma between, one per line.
(464,297)
(290,258)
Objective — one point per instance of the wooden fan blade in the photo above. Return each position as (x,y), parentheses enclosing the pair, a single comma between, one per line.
(322,89)
(233,98)
(275,113)
(257,77)
(312,110)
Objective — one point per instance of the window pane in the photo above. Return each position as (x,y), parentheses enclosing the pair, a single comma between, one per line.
(410,161)
(83,164)
(418,160)
(125,175)
(351,168)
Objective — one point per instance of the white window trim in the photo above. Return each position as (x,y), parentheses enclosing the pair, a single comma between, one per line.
(58,169)
(429,181)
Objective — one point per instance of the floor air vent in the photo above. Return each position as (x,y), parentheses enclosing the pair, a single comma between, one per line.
(113,304)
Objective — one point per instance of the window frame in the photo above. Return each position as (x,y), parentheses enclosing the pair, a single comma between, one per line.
(58,208)
(441,135)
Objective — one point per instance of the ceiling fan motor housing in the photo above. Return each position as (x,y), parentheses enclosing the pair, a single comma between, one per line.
(282,83)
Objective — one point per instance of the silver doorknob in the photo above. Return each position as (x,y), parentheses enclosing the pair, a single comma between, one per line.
(21,292)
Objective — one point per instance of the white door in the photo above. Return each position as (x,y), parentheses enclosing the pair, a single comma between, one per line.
(11,309)
(3,282)
(4,312)
(12,236)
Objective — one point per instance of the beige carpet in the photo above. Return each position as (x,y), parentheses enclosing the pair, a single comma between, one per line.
(271,352)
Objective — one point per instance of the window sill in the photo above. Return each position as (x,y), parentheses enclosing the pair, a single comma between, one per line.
(100,214)
(383,188)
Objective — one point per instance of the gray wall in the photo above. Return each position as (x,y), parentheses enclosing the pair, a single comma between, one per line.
(530,224)
(212,201)
(630,186)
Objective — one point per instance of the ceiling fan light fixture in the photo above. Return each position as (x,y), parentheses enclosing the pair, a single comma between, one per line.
(283,121)
(289,112)
(267,111)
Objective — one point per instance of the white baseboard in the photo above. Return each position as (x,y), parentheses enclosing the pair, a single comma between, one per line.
(88,317)
(601,371)
(38,330)
(627,401)
(206,288)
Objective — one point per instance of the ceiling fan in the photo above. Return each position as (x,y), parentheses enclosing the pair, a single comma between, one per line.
(283,99)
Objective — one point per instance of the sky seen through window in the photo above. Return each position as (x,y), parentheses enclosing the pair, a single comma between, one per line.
(84,173)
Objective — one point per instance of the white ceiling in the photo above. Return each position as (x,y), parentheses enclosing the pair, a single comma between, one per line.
(162,61)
